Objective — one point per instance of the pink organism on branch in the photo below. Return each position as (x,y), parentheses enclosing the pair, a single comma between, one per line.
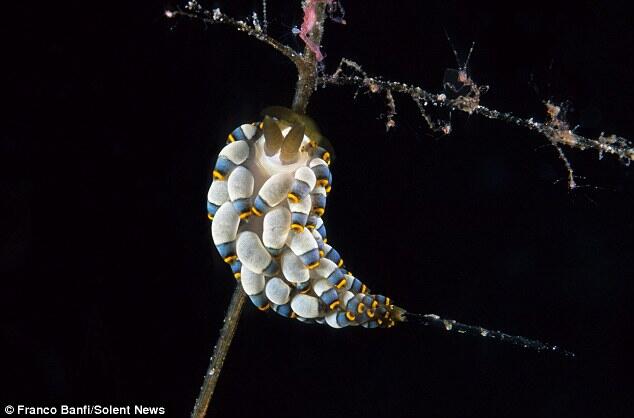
(310,18)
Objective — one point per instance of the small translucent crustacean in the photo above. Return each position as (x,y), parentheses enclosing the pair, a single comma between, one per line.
(266,203)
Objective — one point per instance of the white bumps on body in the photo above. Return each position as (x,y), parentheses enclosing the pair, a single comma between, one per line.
(266,202)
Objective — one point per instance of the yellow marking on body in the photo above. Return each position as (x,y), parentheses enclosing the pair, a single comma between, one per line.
(319,211)
(370,313)
(297,227)
(218,175)
(210,216)
(340,263)
(350,316)
(230,259)
(230,138)
(333,305)
(379,321)
(255,211)
(375,304)
(313,265)
(328,188)
(325,240)
(341,284)
(237,276)
(293,197)
(387,315)
(305,290)
(321,253)
(387,301)
(323,182)
(245,215)
(310,226)
(265,307)
(363,288)
(261,126)
(326,157)
(360,308)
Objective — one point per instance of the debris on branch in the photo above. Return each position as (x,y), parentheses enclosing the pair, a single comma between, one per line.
(460,92)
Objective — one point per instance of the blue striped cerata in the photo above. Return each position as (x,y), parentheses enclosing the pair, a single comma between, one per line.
(266,203)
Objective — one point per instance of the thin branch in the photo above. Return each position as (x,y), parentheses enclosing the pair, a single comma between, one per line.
(216,16)
(391,110)
(571,174)
(306,64)
(220,352)
(613,144)
(477,331)
(307,67)
(265,18)
(555,128)
(462,94)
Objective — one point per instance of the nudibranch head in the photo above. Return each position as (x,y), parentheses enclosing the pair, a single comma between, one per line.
(277,169)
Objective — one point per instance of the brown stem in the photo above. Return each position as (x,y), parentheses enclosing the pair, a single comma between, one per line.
(307,67)
(220,352)
(305,63)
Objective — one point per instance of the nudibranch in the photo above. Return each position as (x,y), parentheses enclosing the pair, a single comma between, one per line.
(266,203)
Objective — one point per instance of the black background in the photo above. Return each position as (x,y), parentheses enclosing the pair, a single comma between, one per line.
(112,292)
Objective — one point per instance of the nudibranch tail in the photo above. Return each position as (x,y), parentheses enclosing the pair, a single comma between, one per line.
(278,170)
